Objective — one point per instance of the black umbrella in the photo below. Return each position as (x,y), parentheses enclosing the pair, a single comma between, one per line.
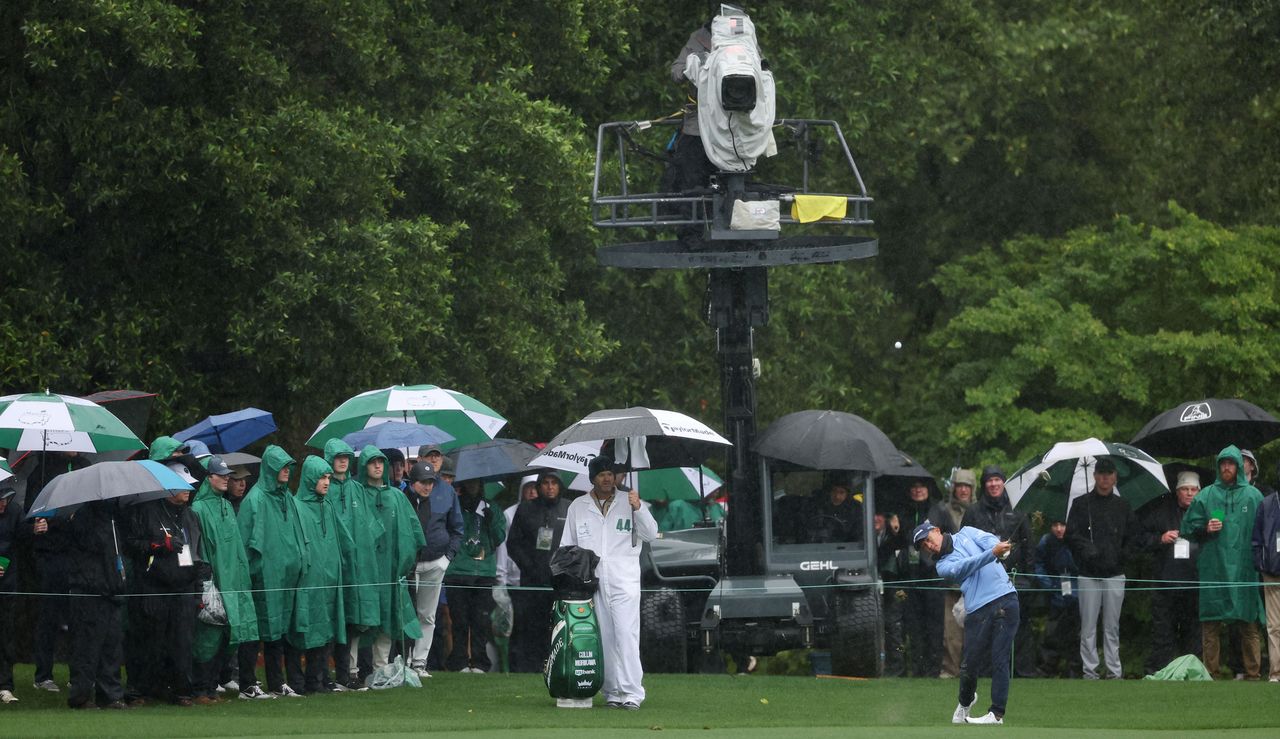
(892,484)
(831,440)
(1201,428)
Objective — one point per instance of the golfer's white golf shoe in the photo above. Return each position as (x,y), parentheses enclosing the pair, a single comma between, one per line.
(962,712)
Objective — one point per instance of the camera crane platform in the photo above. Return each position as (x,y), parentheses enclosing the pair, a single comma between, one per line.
(812,152)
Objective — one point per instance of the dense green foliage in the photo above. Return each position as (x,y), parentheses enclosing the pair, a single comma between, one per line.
(283,204)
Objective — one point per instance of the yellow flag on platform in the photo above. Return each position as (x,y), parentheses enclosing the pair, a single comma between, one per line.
(810,208)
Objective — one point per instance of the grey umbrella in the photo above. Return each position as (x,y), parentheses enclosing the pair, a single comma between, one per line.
(490,460)
(138,481)
(831,440)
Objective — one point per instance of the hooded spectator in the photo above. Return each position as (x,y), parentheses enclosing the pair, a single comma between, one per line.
(361,598)
(275,546)
(321,620)
(1222,518)
(222,547)
(397,555)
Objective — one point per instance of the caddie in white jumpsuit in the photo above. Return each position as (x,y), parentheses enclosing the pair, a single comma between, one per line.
(603,522)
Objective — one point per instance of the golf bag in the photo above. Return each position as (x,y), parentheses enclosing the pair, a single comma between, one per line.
(575,666)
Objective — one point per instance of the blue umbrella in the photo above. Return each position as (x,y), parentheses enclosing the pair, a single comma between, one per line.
(490,460)
(230,432)
(397,435)
(139,481)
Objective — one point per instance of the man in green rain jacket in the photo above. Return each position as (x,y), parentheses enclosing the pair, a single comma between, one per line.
(320,599)
(1221,518)
(222,547)
(397,554)
(274,542)
(360,570)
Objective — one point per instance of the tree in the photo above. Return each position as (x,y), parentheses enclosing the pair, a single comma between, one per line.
(286,204)
(1094,333)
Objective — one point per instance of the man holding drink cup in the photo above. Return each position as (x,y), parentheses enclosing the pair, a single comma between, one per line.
(1221,519)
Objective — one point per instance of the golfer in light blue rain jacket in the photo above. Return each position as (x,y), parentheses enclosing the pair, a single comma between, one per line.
(969,557)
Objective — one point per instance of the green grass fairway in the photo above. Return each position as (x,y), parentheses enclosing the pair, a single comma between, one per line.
(747,707)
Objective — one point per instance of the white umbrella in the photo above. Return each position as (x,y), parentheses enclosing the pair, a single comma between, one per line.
(641,438)
(1068,468)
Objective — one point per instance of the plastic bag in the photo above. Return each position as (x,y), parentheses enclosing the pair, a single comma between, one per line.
(503,615)
(211,611)
(573,573)
(393,675)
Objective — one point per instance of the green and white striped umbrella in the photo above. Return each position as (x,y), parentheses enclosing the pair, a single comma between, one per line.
(1051,482)
(64,423)
(466,419)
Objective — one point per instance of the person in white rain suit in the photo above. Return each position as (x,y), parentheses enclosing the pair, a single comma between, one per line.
(614,528)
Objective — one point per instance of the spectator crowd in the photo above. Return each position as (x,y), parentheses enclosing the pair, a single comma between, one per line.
(322,571)
(370,556)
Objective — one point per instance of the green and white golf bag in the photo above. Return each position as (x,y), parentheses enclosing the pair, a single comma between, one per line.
(575,667)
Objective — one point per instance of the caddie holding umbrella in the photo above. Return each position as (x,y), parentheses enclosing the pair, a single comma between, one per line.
(615,529)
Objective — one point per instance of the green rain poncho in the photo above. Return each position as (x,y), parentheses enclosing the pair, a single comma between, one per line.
(162,448)
(273,540)
(328,544)
(222,547)
(1226,557)
(360,571)
(397,551)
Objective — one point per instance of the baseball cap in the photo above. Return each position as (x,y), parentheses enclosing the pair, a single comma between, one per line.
(7,493)
(216,466)
(181,470)
(921,532)
(198,449)
(448,466)
(426,449)
(422,472)
(240,472)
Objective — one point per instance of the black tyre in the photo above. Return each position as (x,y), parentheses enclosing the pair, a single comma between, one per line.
(857,642)
(662,632)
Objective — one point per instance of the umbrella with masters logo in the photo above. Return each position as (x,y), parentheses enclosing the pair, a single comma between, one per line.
(63,423)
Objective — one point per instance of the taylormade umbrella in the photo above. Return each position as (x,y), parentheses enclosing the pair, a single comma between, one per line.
(138,480)
(1202,428)
(1050,482)
(830,440)
(492,460)
(466,419)
(674,483)
(398,435)
(638,437)
(61,423)
(230,432)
